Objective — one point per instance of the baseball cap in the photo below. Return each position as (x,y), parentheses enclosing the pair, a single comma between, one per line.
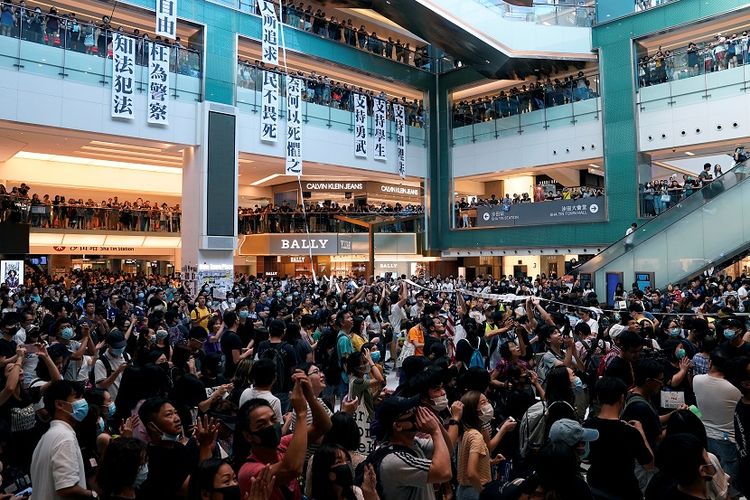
(570,432)
(116,340)
(615,330)
(389,411)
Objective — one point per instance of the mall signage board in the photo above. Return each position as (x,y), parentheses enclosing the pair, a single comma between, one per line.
(548,212)
(327,244)
(334,186)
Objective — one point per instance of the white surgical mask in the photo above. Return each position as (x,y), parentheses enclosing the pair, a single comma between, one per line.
(440,403)
(486,413)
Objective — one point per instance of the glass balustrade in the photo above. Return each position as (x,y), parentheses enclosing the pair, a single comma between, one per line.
(321,221)
(561,13)
(607,10)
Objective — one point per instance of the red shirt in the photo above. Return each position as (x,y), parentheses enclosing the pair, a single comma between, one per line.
(253,466)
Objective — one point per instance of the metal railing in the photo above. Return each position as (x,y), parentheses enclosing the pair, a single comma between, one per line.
(561,13)
(78,50)
(544,106)
(293,221)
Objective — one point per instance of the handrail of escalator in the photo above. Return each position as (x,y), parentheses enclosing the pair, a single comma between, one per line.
(565,13)
(668,218)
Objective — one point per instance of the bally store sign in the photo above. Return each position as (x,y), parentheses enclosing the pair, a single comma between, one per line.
(326,244)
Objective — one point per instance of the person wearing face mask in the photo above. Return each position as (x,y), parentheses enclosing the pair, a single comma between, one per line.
(109,367)
(733,334)
(678,372)
(123,469)
(57,469)
(683,457)
(173,458)
(333,476)
(65,336)
(573,434)
(214,480)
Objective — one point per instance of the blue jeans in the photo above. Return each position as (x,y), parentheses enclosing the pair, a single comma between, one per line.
(466,493)
(726,452)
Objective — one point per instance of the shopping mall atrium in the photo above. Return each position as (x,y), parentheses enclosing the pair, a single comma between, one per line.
(353,137)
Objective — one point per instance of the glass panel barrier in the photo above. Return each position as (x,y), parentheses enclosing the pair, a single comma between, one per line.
(326,105)
(321,221)
(607,10)
(62,47)
(561,13)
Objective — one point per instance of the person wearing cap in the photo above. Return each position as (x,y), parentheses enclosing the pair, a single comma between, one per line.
(733,333)
(410,465)
(109,367)
(571,433)
(65,333)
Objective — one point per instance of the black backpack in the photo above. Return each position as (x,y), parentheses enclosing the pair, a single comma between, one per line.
(376,459)
(107,366)
(278,355)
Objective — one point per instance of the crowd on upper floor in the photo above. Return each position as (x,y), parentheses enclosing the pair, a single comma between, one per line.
(87,35)
(297,15)
(530,97)
(112,214)
(320,89)
(316,217)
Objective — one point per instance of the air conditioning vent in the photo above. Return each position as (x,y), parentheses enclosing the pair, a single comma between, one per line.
(218,243)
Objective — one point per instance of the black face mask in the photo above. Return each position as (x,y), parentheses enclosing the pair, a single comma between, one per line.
(344,475)
(229,492)
(270,436)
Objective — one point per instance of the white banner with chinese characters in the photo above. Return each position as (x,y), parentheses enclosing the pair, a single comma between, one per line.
(379,110)
(400,119)
(166,18)
(293,127)
(360,125)
(270,25)
(269,111)
(123,76)
(158,84)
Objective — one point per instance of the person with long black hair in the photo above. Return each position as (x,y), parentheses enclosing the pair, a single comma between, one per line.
(333,476)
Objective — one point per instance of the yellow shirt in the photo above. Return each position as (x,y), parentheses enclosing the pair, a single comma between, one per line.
(200,317)
(473,442)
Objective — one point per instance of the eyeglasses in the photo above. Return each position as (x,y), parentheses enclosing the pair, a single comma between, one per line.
(314,372)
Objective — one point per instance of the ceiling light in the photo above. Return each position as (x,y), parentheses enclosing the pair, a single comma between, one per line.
(265,179)
(126,146)
(245,160)
(594,165)
(689,153)
(99,163)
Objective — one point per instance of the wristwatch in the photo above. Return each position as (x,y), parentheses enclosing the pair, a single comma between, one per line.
(453,421)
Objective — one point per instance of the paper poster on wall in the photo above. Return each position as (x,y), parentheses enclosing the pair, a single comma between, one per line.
(269,113)
(123,72)
(216,282)
(360,125)
(293,127)
(11,272)
(158,84)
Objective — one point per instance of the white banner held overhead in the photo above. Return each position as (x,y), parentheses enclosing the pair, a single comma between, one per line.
(398,114)
(293,127)
(158,83)
(360,125)
(123,76)
(379,110)
(166,18)
(270,26)
(269,113)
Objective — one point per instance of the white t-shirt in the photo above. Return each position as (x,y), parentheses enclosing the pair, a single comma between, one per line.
(396,317)
(57,462)
(100,373)
(252,393)
(717,399)
(594,325)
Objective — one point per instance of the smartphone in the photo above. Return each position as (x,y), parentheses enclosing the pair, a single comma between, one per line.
(31,348)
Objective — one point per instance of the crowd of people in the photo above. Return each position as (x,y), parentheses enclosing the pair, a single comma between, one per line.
(299,16)
(87,35)
(465,210)
(122,386)
(641,5)
(530,97)
(111,214)
(319,217)
(721,53)
(320,89)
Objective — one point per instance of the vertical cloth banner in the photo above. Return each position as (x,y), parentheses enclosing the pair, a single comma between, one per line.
(379,110)
(269,115)
(123,76)
(270,26)
(293,127)
(166,18)
(158,83)
(398,113)
(360,125)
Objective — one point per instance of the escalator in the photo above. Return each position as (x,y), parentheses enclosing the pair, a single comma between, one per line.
(706,230)
(496,38)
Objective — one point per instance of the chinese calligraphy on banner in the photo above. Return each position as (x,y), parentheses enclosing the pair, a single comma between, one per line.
(166,18)
(123,72)
(380,106)
(360,125)
(269,113)
(293,127)
(398,113)
(270,42)
(158,84)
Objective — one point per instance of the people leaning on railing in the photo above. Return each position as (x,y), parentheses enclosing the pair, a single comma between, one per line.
(108,215)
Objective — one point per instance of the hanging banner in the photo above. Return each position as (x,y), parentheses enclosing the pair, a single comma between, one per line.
(379,110)
(398,113)
(269,116)
(123,72)
(158,84)
(293,127)
(166,18)
(270,25)
(360,125)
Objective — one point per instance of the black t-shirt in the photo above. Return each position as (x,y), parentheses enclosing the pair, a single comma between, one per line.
(621,369)
(637,408)
(246,331)
(168,468)
(7,348)
(732,350)
(613,457)
(230,341)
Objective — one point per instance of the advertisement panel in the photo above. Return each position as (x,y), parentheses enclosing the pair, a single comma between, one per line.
(548,212)
(11,272)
